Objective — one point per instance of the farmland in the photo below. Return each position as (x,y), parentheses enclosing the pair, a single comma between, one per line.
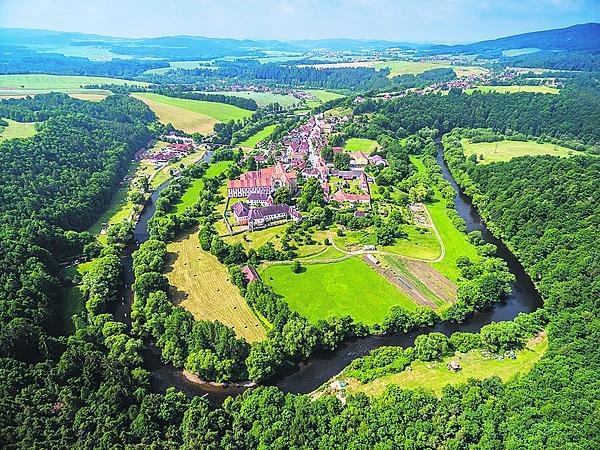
(506,150)
(256,138)
(360,145)
(433,376)
(262,98)
(349,287)
(417,67)
(513,89)
(201,285)
(17,130)
(191,115)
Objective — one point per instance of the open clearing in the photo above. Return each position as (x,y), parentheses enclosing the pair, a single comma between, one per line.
(56,82)
(89,97)
(201,285)
(322,95)
(360,145)
(349,287)
(506,150)
(434,376)
(17,130)
(190,196)
(256,138)
(191,115)
(513,89)
(417,67)
(261,98)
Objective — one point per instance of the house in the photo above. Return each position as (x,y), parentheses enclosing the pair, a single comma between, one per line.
(377,160)
(263,181)
(337,150)
(372,259)
(250,273)
(259,200)
(347,174)
(453,366)
(263,215)
(358,159)
(363,182)
(369,248)
(342,197)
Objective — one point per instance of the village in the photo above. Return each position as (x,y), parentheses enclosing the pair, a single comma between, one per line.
(298,156)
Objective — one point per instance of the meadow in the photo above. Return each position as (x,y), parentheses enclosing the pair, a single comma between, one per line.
(201,285)
(64,83)
(17,130)
(360,145)
(322,96)
(506,150)
(349,287)
(262,98)
(191,115)
(190,196)
(433,376)
(417,67)
(514,89)
(259,136)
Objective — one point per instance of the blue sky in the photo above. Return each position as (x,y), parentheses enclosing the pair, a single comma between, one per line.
(409,20)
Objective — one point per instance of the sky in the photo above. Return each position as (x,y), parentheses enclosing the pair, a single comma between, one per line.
(449,21)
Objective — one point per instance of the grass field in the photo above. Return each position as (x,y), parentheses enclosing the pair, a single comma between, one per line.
(455,242)
(190,196)
(90,97)
(202,286)
(349,287)
(262,98)
(360,145)
(419,244)
(513,89)
(322,95)
(434,376)
(417,67)
(17,130)
(256,138)
(506,150)
(56,82)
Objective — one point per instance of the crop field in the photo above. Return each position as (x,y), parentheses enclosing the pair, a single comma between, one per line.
(56,82)
(513,89)
(90,97)
(191,115)
(433,376)
(506,150)
(201,285)
(262,98)
(360,145)
(17,130)
(256,138)
(349,287)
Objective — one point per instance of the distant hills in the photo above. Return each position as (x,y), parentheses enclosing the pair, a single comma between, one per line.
(584,37)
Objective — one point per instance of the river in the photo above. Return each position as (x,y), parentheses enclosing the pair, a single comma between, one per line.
(320,368)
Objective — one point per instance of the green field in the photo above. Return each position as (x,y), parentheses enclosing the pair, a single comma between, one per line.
(256,138)
(506,150)
(455,242)
(190,196)
(433,376)
(349,287)
(17,130)
(322,95)
(513,89)
(191,115)
(262,98)
(417,67)
(57,82)
(360,145)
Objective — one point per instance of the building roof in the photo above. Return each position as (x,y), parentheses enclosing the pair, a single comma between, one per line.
(266,211)
(250,273)
(258,197)
(341,197)
(240,209)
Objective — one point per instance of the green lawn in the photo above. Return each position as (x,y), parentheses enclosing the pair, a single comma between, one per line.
(256,138)
(61,82)
(513,89)
(506,150)
(218,111)
(191,194)
(262,98)
(433,376)
(17,130)
(421,243)
(360,145)
(349,287)
(322,95)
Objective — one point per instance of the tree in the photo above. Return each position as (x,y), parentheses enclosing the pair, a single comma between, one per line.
(296,266)
(327,153)
(341,161)
(282,195)
(120,233)
(432,346)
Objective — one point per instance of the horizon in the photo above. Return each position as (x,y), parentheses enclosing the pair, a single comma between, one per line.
(444,21)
